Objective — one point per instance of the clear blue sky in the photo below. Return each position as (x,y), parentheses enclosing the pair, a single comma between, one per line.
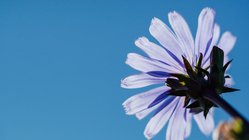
(61,63)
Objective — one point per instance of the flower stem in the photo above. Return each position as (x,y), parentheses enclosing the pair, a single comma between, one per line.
(213,97)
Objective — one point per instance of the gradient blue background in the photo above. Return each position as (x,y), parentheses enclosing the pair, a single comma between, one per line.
(61,63)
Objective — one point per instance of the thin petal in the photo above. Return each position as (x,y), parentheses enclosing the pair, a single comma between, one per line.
(227,42)
(204,31)
(165,36)
(140,80)
(188,119)
(177,125)
(157,122)
(154,51)
(145,64)
(140,115)
(214,42)
(216,36)
(183,33)
(141,101)
(205,125)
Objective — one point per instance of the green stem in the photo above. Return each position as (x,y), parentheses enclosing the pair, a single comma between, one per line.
(216,99)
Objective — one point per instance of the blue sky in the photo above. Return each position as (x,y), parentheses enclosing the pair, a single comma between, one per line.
(61,63)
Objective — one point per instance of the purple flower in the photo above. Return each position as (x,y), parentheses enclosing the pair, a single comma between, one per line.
(165,59)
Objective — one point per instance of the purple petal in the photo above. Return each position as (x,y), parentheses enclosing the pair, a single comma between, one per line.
(183,33)
(208,47)
(140,80)
(227,42)
(158,73)
(216,35)
(154,51)
(175,58)
(140,115)
(177,124)
(166,37)
(145,64)
(205,30)
(141,101)
(157,122)
(188,119)
(214,42)
(206,125)
(164,104)
(159,99)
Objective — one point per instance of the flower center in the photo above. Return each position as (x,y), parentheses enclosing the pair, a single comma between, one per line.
(199,81)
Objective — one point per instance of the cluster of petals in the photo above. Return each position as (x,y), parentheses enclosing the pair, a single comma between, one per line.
(165,57)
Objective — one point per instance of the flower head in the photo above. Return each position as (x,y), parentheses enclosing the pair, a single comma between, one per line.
(176,55)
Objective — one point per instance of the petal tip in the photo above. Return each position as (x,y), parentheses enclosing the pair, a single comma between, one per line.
(154,22)
(208,12)
(228,33)
(208,9)
(139,116)
(140,41)
(125,84)
(148,135)
(126,107)
(173,14)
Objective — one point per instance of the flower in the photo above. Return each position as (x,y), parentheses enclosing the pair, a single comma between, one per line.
(161,62)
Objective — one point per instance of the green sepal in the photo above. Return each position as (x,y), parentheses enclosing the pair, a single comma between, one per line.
(173,83)
(196,110)
(186,101)
(227,76)
(198,66)
(205,112)
(226,65)
(217,57)
(199,60)
(207,67)
(205,72)
(188,67)
(178,92)
(228,89)
(216,78)
(214,105)
(195,104)
(181,77)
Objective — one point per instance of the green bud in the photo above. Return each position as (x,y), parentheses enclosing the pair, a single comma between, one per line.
(234,130)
